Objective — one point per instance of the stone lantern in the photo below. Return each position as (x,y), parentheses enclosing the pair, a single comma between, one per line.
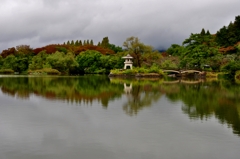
(128,61)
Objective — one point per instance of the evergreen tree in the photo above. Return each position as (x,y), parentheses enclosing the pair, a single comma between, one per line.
(87,42)
(84,42)
(203,32)
(221,36)
(76,43)
(99,44)
(237,26)
(208,33)
(64,43)
(91,42)
(80,43)
(72,42)
(230,35)
(68,43)
(105,42)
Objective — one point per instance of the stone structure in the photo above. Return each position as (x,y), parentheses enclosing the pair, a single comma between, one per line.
(128,61)
(127,88)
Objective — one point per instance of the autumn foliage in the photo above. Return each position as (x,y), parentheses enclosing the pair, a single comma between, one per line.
(50,49)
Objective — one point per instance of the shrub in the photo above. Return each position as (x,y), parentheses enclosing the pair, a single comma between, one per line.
(211,74)
(101,71)
(154,69)
(142,70)
(6,71)
(48,71)
(130,71)
(116,71)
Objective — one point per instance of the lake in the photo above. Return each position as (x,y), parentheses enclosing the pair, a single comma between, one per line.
(93,116)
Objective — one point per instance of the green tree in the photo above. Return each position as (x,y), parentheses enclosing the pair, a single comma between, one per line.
(203,32)
(16,63)
(76,43)
(62,62)
(23,56)
(62,49)
(231,68)
(215,62)
(175,50)
(80,43)
(136,49)
(105,42)
(208,33)
(91,42)
(111,62)
(38,61)
(230,35)
(115,48)
(24,49)
(89,61)
(9,62)
(1,61)
(21,62)
(197,49)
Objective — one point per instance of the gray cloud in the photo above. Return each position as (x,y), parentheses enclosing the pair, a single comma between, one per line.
(156,22)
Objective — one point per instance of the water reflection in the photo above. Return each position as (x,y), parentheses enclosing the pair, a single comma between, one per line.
(139,96)
(200,99)
(72,89)
(204,100)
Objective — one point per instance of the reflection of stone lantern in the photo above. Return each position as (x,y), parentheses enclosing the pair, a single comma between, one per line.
(127,88)
(128,61)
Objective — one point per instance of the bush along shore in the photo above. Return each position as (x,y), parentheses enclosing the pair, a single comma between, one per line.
(153,71)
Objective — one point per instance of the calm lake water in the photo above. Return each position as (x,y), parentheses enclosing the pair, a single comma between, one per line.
(94,117)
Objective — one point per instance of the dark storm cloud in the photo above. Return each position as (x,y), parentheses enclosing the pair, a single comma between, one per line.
(156,22)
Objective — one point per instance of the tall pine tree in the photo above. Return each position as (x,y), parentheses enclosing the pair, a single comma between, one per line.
(105,42)
(91,42)
(203,32)
(76,43)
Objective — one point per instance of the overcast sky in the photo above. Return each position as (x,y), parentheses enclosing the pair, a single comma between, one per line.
(159,23)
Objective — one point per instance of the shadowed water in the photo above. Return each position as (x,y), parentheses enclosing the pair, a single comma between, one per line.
(96,117)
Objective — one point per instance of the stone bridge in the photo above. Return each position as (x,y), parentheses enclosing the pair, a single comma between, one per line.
(180,72)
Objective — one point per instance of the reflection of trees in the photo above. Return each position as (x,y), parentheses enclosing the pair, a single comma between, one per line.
(73,89)
(140,97)
(143,92)
(200,101)
(207,99)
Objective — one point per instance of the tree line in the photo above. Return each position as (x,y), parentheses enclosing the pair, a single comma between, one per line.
(203,50)
(217,52)
(75,57)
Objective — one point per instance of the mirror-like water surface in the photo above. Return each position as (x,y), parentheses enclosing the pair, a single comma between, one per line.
(97,117)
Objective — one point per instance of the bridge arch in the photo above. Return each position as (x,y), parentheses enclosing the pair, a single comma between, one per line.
(181,72)
(173,71)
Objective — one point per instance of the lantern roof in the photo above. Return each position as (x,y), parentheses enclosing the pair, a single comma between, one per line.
(127,57)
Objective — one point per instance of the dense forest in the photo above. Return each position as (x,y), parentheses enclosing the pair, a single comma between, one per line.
(219,51)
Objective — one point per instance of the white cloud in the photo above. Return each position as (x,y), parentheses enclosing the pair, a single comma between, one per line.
(156,22)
